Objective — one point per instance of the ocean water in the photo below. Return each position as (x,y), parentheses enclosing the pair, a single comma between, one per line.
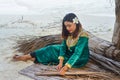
(92,13)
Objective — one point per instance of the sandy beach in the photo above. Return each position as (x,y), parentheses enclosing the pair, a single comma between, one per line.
(17,25)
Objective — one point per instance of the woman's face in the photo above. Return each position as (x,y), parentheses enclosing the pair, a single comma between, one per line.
(70,26)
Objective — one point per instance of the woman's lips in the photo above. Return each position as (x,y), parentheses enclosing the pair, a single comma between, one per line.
(70,31)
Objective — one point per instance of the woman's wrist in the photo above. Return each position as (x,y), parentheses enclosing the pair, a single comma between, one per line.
(66,68)
(61,61)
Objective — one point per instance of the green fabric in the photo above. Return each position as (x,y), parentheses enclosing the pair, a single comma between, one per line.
(77,56)
(63,48)
(80,54)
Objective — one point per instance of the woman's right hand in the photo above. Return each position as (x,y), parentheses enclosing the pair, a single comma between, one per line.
(59,66)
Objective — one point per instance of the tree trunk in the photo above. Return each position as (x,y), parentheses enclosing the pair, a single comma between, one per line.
(116,34)
(104,48)
(106,63)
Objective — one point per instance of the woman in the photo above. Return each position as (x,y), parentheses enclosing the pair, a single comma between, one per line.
(72,52)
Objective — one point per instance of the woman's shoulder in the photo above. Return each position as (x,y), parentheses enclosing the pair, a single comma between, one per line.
(84,34)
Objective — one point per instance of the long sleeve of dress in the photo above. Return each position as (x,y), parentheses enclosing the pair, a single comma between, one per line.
(62,49)
(82,42)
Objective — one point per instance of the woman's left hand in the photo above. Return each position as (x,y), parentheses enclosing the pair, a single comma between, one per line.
(63,70)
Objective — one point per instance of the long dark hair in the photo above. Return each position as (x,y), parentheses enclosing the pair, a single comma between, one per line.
(69,17)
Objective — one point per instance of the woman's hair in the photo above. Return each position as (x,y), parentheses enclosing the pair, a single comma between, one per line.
(69,17)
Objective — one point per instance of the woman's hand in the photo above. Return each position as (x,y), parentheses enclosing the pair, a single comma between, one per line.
(59,66)
(63,70)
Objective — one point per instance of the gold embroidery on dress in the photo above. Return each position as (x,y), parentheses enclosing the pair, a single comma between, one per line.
(71,41)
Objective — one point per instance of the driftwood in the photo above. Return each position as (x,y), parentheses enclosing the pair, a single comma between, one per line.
(106,63)
(96,45)
(102,51)
(46,73)
(79,72)
(103,47)
(27,46)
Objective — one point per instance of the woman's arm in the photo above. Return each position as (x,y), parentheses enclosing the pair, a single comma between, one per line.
(82,43)
(62,50)
(61,54)
(60,65)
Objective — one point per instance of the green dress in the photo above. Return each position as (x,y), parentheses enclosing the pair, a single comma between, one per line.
(74,55)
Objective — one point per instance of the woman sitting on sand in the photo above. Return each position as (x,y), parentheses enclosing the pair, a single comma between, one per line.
(72,52)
